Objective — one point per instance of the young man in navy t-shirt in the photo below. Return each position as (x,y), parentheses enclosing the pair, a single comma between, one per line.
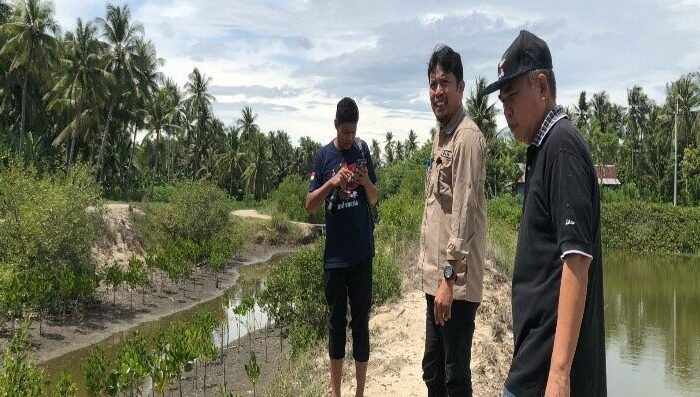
(342,179)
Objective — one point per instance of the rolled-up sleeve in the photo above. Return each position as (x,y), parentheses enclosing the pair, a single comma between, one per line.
(468,157)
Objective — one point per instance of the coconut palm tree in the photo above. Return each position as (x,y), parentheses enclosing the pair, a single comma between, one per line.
(389,148)
(411,143)
(684,94)
(376,154)
(199,108)
(637,119)
(229,162)
(256,174)
(31,46)
(122,37)
(479,109)
(247,124)
(159,117)
(304,155)
(82,81)
(281,155)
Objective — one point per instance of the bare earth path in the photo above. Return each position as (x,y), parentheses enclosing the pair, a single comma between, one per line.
(397,335)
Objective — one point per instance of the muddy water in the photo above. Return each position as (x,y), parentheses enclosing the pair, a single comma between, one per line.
(652,324)
(252,280)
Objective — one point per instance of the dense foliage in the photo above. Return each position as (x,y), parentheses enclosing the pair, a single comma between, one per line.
(49,224)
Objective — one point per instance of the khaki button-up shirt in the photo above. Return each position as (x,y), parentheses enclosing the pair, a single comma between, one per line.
(454,218)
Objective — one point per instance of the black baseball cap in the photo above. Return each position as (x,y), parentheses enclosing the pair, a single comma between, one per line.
(527,52)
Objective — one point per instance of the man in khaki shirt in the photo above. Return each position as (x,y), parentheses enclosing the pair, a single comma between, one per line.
(453,232)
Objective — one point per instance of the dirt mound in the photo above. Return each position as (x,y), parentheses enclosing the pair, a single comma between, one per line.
(119,242)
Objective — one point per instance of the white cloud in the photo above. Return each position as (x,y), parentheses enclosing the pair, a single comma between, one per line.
(292,60)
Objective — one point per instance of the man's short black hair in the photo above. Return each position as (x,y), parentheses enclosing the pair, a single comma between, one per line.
(347,111)
(549,74)
(448,59)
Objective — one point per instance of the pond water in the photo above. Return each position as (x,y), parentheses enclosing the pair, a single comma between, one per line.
(652,324)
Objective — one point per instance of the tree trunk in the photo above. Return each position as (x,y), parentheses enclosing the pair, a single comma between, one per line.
(204,385)
(133,147)
(230,186)
(22,125)
(103,144)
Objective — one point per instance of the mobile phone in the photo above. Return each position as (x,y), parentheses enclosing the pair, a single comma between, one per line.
(361,163)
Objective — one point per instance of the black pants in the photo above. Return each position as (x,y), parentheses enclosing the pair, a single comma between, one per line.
(448,350)
(340,284)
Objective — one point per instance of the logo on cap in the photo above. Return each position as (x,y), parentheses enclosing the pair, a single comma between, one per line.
(501,73)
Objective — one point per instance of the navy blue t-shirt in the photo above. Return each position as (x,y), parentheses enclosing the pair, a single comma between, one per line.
(349,237)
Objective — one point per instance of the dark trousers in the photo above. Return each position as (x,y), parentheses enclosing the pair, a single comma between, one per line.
(340,284)
(448,350)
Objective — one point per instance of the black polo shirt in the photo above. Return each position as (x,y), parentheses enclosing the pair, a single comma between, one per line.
(561,214)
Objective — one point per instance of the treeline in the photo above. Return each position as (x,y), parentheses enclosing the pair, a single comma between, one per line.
(637,137)
(85,96)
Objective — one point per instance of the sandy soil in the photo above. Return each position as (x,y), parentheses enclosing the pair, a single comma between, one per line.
(119,243)
(307,229)
(397,338)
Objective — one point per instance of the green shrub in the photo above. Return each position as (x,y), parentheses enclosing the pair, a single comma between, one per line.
(49,225)
(406,175)
(94,369)
(223,246)
(295,297)
(65,386)
(505,208)
(290,198)
(19,376)
(646,227)
(164,193)
(386,278)
(199,210)
(400,217)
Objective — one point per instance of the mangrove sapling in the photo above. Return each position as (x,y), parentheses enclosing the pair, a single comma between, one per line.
(136,276)
(66,283)
(204,325)
(133,363)
(180,350)
(65,387)
(40,289)
(252,369)
(162,364)
(94,370)
(19,376)
(114,276)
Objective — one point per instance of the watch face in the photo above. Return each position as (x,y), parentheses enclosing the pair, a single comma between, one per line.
(447,271)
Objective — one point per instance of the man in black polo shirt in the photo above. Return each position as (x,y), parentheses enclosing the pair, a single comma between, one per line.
(343,178)
(557,278)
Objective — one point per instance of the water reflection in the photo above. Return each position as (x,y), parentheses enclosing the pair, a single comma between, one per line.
(652,324)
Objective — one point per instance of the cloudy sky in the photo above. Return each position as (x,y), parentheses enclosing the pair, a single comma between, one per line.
(292,60)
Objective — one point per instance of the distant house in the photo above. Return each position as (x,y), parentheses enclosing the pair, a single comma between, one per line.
(607,176)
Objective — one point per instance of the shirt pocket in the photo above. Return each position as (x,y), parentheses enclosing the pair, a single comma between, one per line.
(444,175)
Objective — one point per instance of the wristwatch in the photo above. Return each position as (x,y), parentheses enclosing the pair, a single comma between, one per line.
(449,272)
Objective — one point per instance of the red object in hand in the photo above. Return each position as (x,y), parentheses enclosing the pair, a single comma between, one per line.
(351,184)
